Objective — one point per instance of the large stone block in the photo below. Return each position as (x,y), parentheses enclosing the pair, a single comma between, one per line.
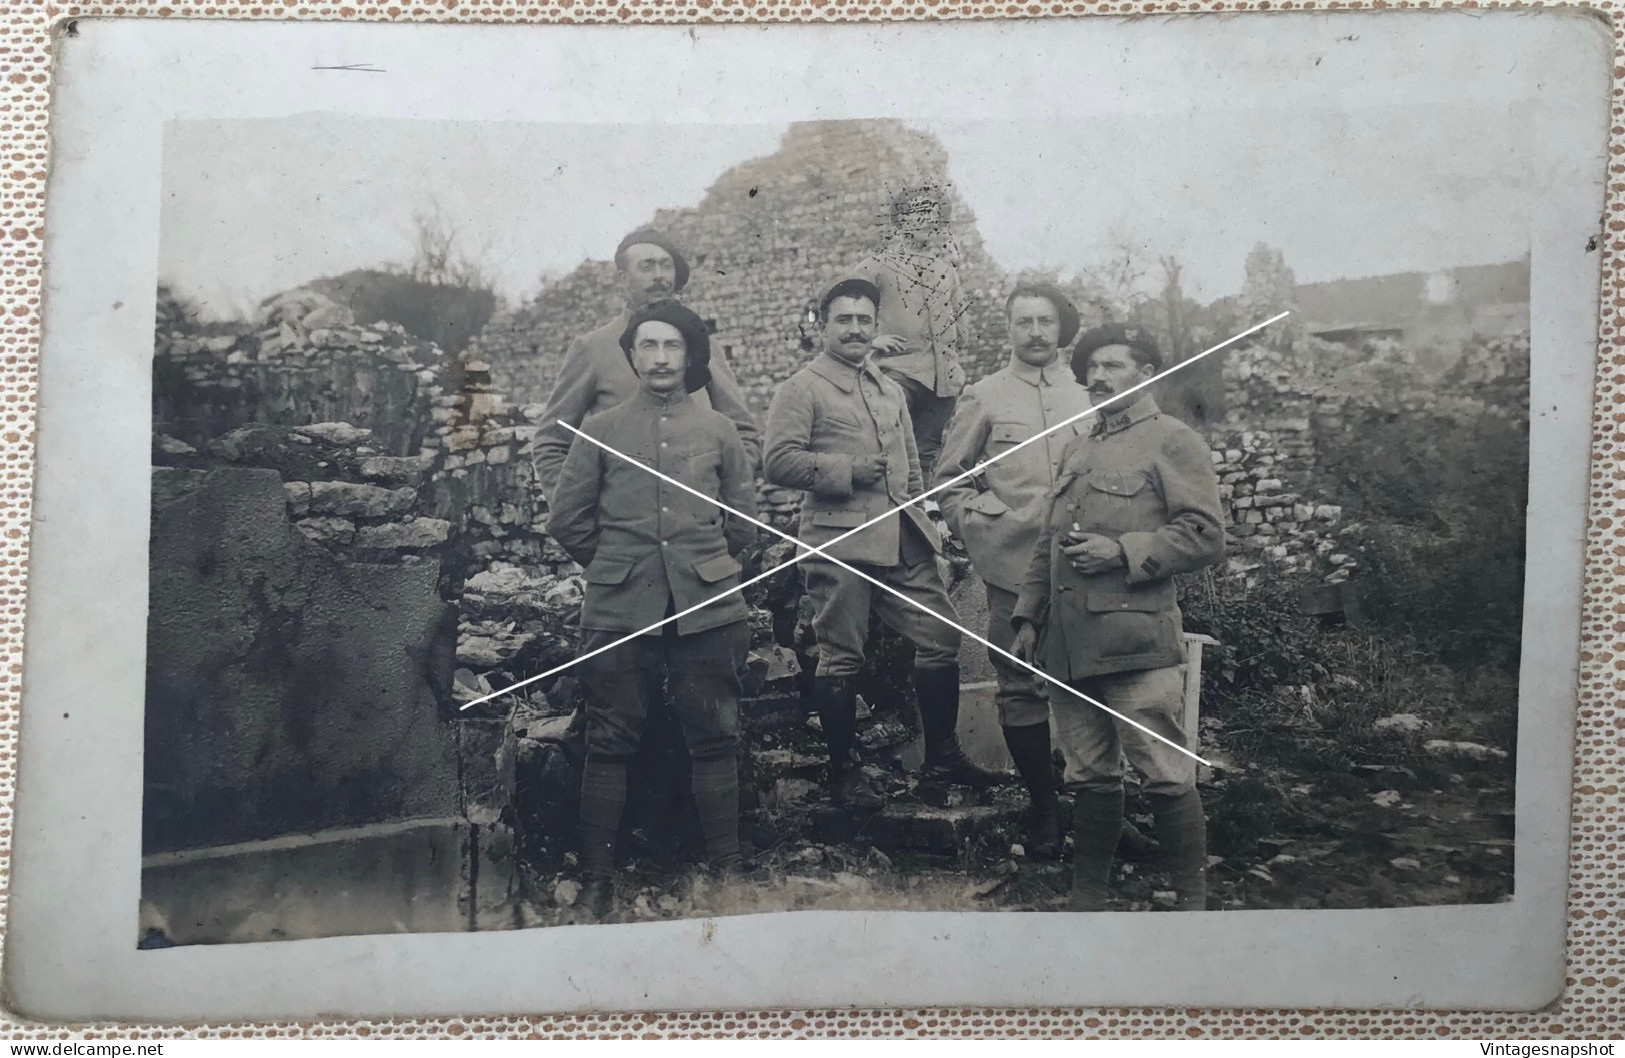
(396,470)
(417,533)
(405,877)
(353,500)
(326,530)
(285,693)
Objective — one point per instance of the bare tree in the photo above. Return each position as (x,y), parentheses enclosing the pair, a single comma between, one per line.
(437,258)
(1116,288)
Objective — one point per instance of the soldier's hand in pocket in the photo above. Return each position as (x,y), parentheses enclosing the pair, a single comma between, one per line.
(1092,553)
(866,470)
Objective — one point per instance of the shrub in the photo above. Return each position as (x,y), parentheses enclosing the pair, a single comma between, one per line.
(446,314)
(1442,508)
(1283,688)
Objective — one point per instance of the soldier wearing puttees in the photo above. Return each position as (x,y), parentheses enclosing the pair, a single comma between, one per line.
(595,376)
(1136,503)
(839,429)
(997,512)
(652,550)
(921,320)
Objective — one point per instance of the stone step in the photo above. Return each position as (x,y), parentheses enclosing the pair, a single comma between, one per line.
(912,826)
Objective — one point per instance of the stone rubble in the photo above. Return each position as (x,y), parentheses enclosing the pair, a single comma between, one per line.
(392,452)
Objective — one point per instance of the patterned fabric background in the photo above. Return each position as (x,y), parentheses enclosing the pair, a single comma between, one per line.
(1594,1000)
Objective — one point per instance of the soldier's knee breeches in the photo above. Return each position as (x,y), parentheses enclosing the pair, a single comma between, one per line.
(701,685)
(1094,743)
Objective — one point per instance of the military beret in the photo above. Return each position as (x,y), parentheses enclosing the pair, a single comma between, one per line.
(848,287)
(1136,338)
(656,238)
(697,374)
(1051,293)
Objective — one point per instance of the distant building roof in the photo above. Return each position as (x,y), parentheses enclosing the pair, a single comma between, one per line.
(1354,331)
(1402,296)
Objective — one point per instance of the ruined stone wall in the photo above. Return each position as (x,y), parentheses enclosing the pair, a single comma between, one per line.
(767,238)
(303,361)
(288,690)
(303,682)
(1312,388)
(1287,399)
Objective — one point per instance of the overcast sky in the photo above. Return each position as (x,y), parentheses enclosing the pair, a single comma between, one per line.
(255,207)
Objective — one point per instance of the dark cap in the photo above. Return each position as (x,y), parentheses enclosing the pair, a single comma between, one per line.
(697,336)
(848,287)
(1051,293)
(1137,338)
(656,238)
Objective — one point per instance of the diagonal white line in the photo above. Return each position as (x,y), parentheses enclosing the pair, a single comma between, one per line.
(820,549)
(1034,669)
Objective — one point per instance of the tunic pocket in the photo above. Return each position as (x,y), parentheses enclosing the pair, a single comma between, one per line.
(1123,483)
(1004,434)
(717,568)
(839,519)
(987,503)
(1132,624)
(609,569)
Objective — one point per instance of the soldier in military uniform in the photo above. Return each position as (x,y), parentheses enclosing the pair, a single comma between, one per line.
(595,377)
(839,429)
(923,329)
(652,550)
(997,513)
(1135,503)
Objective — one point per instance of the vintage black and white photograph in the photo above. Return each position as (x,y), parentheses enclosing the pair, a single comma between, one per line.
(417,441)
(1097,501)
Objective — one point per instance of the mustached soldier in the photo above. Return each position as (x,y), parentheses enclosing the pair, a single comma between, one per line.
(1136,502)
(594,375)
(998,512)
(839,430)
(652,550)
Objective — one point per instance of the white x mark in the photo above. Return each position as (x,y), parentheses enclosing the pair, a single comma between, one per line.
(961,629)
(928,493)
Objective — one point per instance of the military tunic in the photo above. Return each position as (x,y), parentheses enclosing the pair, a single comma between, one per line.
(998,511)
(644,542)
(922,300)
(1145,480)
(822,418)
(652,550)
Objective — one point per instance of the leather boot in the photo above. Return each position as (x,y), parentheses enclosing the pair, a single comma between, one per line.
(836,699)
(1182,833)
(603,800)
(715,785)
(945,762)
(1029,747)
(598,897)
(1097,817)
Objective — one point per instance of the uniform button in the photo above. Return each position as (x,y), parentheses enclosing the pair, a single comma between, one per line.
(665,543)
(663,444)
(665,510)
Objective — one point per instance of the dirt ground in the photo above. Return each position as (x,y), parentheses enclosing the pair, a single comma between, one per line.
(1374,836)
